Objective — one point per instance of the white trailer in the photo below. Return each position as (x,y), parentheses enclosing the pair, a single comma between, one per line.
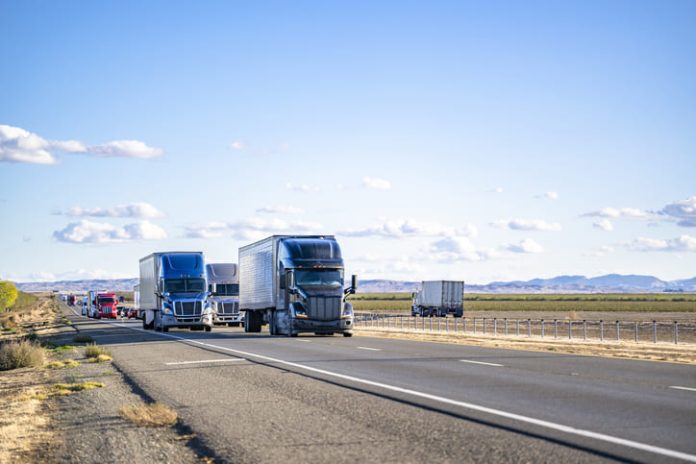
(439,298)
(223,285)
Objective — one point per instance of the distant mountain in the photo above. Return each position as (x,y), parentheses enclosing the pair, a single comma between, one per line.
(610,283)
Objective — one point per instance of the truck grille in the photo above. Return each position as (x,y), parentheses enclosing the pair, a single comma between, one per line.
(324,308)
(228,308)
(187,308)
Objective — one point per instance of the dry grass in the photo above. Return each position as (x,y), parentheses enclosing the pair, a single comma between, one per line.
(94,351)
(100,358)
(68,363)
(149,415)
(14,355)
(62,389)
(82,339)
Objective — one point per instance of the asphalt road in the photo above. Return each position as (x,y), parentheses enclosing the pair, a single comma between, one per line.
(256,398)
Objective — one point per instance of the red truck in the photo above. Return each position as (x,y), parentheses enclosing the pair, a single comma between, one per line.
(106,305)
(71,300)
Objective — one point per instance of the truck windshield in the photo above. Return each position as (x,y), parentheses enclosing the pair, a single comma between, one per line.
(184,285)
(227,289)
(106,301)
(327,278)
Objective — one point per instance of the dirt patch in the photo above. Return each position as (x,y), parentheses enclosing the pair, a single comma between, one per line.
(658,352)
(149,415)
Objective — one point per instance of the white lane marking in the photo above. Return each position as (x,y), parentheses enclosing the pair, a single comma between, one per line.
(474,407)
(203,361)
(480,362)
(302,340)
(677,387)
(368,348)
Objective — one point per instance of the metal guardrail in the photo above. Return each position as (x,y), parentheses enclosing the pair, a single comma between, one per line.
(601,330)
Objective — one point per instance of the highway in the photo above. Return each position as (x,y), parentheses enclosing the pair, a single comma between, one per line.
(256,398)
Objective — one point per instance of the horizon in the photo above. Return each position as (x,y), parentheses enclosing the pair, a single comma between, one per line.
(444,140)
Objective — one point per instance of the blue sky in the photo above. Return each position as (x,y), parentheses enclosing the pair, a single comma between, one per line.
(474,140)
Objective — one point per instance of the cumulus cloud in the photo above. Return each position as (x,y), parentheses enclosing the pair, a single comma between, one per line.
(453,249)
(604,224)
(681,243)
(86,231)
(252,229)
(280,209)
(21,146)
(401,228)
(302,188)
(527,225)
(548,195)
(616,213)
(525,246)
(138,210)
(376,183)
(683,211)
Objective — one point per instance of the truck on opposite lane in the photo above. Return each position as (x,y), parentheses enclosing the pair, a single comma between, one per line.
(294,283)
(174,291)
(439,298)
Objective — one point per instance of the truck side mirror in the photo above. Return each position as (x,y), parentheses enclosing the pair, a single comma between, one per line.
(353,283)
(290,282)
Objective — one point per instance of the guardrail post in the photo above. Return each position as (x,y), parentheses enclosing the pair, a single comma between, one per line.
(542,328)
(438,324)
(517,322)
(495,327)
(570,329)
(584,329)
(455,324)
(431,323)
(484,325)
(601,330)
(474,326)
(676,332)
(654,331)
(618,333)
(506,328)
(555,328)
(447,324)
(402,322)
(464,323)
(635,331)
(423,320)
(529,327)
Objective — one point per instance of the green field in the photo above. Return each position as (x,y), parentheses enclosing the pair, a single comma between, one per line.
(609,302)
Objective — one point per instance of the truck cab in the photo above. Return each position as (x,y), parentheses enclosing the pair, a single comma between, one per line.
(223,285)
(107,305)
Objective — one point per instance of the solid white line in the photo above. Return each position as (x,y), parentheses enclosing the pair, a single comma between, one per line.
(368,348)
(473,407)
(203,361)
(676,387)
(301,340)
(481,362)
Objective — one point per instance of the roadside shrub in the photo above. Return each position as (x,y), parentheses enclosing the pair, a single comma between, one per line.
(94,351)
(149,415)
(68,363)
(62,389)
(21,354)
(100,358)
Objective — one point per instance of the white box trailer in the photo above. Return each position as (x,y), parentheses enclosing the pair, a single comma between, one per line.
(439,298)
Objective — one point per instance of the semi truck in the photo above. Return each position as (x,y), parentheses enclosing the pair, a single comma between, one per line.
(439,298)
(294,284)
(173,291)
(223,285)
(107,305)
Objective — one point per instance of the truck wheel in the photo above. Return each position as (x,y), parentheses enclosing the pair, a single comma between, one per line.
(165,329)
(208,328)
(347,334)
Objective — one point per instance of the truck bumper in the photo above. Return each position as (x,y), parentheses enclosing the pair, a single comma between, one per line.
(228,318)
(309,325)
(186,322)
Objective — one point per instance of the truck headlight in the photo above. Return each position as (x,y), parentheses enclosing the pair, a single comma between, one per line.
(347,311)
(299,311)
(167,309)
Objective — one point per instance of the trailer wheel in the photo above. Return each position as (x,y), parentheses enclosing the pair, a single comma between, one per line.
(347,334)
(165,329)
(208,328)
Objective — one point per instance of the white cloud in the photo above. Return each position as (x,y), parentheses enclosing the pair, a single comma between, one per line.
(527,225)
(602,251)
(497,190)
(453,249)
(303,188)
(616,213)
(21,146)
(548,195)
(86,231)
(376,183)
(525,246)
(681,243)
(683,211)
(252,229)
(604,224)
(401,228)
(280,209)
(237,145)
(139,210)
